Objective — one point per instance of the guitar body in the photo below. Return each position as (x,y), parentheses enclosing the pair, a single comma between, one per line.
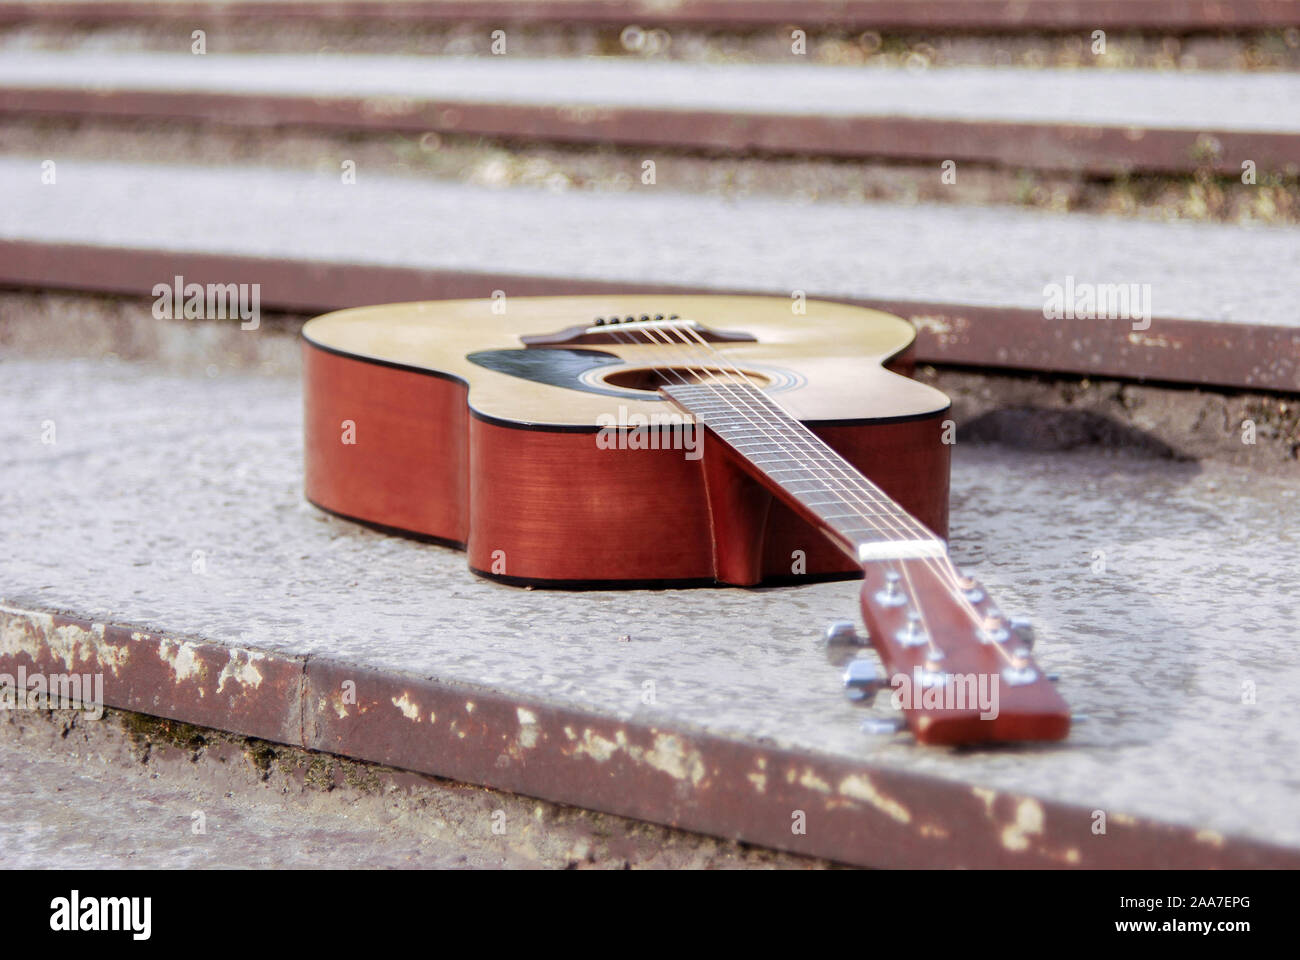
(437,420)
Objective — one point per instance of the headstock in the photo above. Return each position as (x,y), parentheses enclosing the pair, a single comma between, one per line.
(960,670)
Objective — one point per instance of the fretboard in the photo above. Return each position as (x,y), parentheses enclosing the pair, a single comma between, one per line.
(800,466)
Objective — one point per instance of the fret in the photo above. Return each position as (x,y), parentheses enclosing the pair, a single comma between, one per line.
(786,451)
(741,444)
(751,428)
(797,468)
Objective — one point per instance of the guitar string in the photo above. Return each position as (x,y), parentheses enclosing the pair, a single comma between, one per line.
(815,449)
(704,380)
(859,483)
(835,485)
(715,387)
(943,567)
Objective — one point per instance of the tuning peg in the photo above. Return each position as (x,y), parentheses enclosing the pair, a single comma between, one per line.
(882,726)
(994,629)
(891,595)
(912,635)
(1019,672)
(843,633)
(862,681)
(1023,631)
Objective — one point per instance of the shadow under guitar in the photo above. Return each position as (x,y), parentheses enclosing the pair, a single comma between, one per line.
(1047,429)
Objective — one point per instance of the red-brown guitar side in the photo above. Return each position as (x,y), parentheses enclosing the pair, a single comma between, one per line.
(550,507)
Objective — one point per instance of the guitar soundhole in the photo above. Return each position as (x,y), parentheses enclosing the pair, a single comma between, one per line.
(651,379)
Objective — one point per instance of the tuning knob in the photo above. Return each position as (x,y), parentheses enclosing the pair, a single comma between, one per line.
(912,635)
(843,633)
(862,681)
(971,589)
(1023,631)
(891,595)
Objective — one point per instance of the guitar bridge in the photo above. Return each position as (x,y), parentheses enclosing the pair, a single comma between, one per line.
(616,329)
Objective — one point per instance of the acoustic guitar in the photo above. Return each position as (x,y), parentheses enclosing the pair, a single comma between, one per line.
(652,441)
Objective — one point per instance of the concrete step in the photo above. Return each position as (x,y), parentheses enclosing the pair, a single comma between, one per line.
(205,589)
(502,162)
(1098,123)
(977,282)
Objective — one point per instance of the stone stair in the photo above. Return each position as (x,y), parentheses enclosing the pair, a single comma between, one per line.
(951,162)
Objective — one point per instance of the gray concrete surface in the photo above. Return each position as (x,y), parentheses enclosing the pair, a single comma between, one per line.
(652,234)
(606,167)
(930,44)
(1211,101)
(133,792)
(1162,590)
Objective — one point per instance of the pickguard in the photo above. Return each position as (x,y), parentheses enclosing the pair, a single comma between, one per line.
(556,366)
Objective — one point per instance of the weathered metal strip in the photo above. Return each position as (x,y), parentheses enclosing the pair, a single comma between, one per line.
(681,777)
(862,14)
(241,690)
(1173,350)
(1093,150)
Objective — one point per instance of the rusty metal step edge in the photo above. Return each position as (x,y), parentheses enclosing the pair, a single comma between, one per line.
(1172,350)
(677,776)
(1093,150)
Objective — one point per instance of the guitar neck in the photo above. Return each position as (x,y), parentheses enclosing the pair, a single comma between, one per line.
(964,673)
(800,468)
